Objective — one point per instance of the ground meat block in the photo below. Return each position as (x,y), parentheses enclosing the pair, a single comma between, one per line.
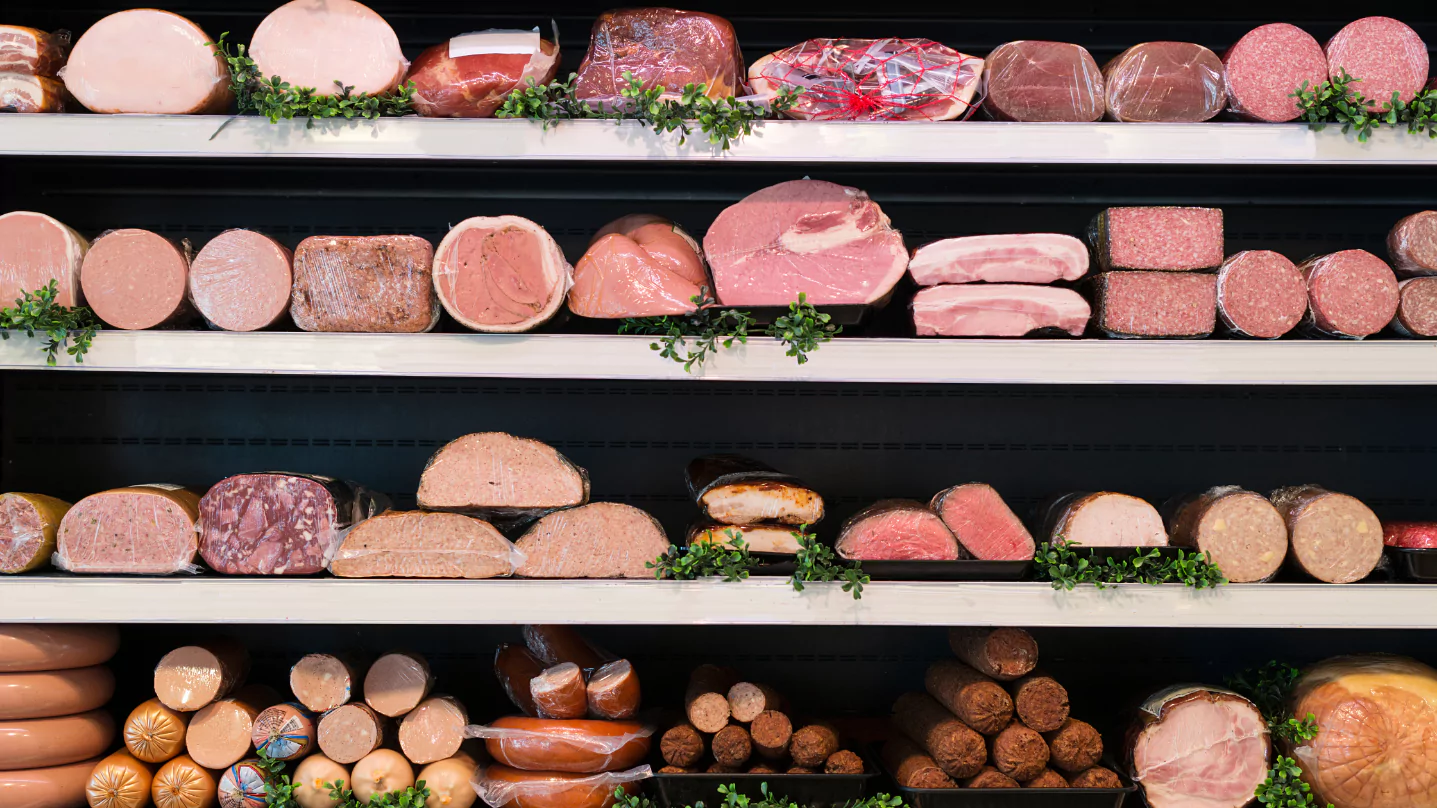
(1041,702)
(980,702)
(843,761)
(1033,80)
(681,745)
(1155,304)
(1002,653)
(1416,308)
(1170,82)
(1096,777)
(911,767)
(1412,244)
(958,750)
(811,745)
(1047,778)
(1266,66)
(1384,54)
(990,777)
(1351,294)
(378,284)
(1333,537)
(1075,746)
(1019,752)
(1260,294)
(1240,530)
(732,745)
(772,731)
(1160,238)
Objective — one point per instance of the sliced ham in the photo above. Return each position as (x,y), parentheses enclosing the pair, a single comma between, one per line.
(1104,519)
(470,75)
(329,44)
(1005,258)
(32,52)
(828,241)
(145,60)
(30,94)
(36,249)
(983,523)
(997,310)
(1197,747)
(638,266)
(897,530)
(500,274)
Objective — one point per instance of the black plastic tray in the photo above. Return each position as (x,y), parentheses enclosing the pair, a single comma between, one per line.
(969,570)
(808,790)
(1015,797)
(1413,564)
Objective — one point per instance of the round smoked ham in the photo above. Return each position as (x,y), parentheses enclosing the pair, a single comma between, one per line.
(638,266)
(329,44)
(1376,744)
(1198,747)
(149,61)
(500,274)
(470,75)
(36,249)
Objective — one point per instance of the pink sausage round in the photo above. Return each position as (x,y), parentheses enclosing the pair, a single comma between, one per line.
(135,279)
(241,280)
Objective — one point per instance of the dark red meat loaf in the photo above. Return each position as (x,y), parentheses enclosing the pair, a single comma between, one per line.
(1032,80)
(1412,244)
(379,284)
(1350,294)
(1266,66)
(1166,238)
(1168,82)
(661,46)
(1260,294)
(1416,308)
(1155,304)
(1385,56)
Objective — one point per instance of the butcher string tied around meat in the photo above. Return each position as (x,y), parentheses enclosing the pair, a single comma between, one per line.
(889,79)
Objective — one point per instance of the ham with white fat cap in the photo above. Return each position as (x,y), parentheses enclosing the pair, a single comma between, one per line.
(36,249)
(241,280)
(149,61)
(500,274)
(638,266)
(1005,258)
(136,279)
(1103,519)
(997,310)
(827,241)
(30,94)
(326,44)
(1198,747)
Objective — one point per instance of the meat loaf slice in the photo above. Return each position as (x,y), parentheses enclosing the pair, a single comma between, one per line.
(1264,68)
(1155,304)
(471,75)
(1006,258)
(828,241)
(1260,294)
(280,524)
(372,284)
(31,52)
(1103,519)
(31,94)
(1169,82)
(1240,530)
(1412,244)
(777,539)
(415,544)
(36,249)
(897,530)
(1194,745)
(329,45)
(1166,238)
(1416,308)
(997,310)
(738,490)
(1385,56)
(501,476)
(135,279)
(501,274)
(143,529)
(1036,81)
(639,266)
(1351,294)
(1334,537)
(28,523)
(145,60)
(983,523)
(598,540)
(241,281)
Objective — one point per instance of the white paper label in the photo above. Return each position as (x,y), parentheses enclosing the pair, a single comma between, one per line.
(495,40)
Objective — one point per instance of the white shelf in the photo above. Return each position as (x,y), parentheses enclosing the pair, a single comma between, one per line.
(773,141)
(754,602)
(571,356)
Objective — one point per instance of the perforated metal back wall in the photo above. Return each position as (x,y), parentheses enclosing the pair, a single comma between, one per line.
(71,435)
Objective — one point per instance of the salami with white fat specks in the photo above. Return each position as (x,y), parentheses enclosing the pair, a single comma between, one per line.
(1333,537)
(1416,308)
(1240,531)
(280,524)
(1384,54)
(1412,244)
(1173,305)
(1163,238)
(1266,66)
(1260,294)
(1350,294)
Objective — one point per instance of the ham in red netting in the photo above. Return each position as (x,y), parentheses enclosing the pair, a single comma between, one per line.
(871,79)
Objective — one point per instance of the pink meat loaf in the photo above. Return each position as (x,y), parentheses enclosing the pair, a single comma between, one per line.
(135,279)
(828,241)
(660,46)
(983,523)
(241,281)
(1266,66)
(997,310)
(1036,81)
(30,94)
(32,53)
(1412,244)
(143,529)
(470,75)
(498,474)
(1103,519)
(373,284)
(1167,82)
(1005,258)
(1384,55)
(36,249)
(1350,294)
(639,266)
(1332,537)
(897,530)
(279,524)
(145,60)
(1416,308)
(329,44)
(1240,531)
(415,544)
(501,274)
(1260,294)
(598,540)
(1155,304)
(1161,238)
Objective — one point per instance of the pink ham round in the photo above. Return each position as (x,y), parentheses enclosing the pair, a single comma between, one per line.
(145,60)
(638,266)
(1198,747)
(241,280)
(135,279)
(501,274)
(326,44)
(897,530)
(1267,66)
(36,249)
(1386,55)
(828,241)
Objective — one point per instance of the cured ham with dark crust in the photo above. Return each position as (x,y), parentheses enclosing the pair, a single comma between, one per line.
(500,274)
(737,490)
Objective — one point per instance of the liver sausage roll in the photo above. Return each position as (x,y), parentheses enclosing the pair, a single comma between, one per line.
(1241,532)
(1334,537)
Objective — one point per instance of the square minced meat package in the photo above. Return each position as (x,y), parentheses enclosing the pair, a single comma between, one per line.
(1158,238)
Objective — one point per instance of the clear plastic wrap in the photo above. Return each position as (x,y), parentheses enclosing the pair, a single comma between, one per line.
(1376,717)
(31,94)
(1411,244)
(897,530)
(241,281)
(559,692)
(1103,519)
(192,676)
(322,682)
(369,284)
(638,266)
(1262,70)
(1032,81)
(1350,294)
(514,667)
(598,540)
(142,529)
(221,734)
(470,75)
(1384,55)
(28,523)
(997,310)
(326,44)
(613,690)
(499,476)
(33,647)
(1240,530)
(36,249)
(434,730)
(871,80)
(1198,745)
(1168,82)
(242,786)
(1332,537)
(501,274)
(573,746)
(397,682)
(32,52)
(284,732)
(1416,308)
(1260,294)
(660,46)
(136,279)
(419,544)
(147,61)
(503,787)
